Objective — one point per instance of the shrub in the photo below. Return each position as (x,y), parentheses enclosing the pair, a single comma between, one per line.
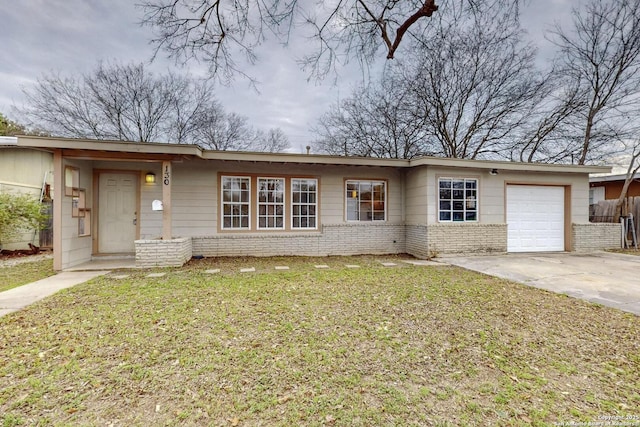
(19,213)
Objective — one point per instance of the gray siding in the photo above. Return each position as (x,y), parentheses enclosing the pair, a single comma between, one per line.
(411,224)
(75,249)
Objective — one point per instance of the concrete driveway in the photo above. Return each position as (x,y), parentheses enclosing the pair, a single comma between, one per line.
(605,278)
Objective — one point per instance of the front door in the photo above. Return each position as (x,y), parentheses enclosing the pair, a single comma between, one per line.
(117,218)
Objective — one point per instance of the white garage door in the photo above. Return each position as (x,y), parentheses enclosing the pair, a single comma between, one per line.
(535,218)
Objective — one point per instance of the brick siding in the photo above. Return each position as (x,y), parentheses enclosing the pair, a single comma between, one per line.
(466,238)
(416,238)
(420,241)
(163,253)
(347,239)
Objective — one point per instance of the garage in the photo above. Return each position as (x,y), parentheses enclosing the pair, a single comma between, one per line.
(535,218)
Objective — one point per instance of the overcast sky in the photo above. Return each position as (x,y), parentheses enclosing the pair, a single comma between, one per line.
(71,36)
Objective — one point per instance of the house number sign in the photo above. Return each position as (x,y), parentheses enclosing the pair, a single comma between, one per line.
(166,179)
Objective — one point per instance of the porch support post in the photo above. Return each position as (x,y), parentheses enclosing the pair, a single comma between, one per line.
(58,197)
(167,178)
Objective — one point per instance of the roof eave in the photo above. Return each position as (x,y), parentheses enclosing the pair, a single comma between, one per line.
(319,159)
(109,146)
(506,165)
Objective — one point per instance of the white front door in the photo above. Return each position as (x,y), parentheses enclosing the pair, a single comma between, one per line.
(117,212)
(535,218)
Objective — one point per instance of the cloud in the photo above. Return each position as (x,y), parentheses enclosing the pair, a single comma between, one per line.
(71,36)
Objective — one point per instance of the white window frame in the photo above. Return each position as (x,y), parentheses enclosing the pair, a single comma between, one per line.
(465,201)
(308,204)
(274,204)
(223,203)
(349,199)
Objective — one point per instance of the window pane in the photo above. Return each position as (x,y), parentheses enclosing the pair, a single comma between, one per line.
(235,202)
(270,202)
(365,200)
(460,203)
(304,204)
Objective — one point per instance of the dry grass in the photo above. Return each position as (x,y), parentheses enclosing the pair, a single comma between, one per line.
(635,252)
(403,345)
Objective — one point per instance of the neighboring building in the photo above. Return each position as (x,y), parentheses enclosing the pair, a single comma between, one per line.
(609,187)
(25,170)
(237,203)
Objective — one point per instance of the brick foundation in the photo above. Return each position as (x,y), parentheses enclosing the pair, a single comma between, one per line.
(466,238)
(420,241)
(416,238)
(595,236)
(347,239)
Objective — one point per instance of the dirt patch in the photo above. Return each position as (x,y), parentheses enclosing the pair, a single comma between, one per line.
(10,258)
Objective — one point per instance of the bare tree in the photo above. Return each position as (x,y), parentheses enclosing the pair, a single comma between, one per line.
(220,33)
(467,92)
(272,141)
(129,103)
(632,169)
(476,82)
(217,130)
(601,55)
(121,102)
(375,122)
(548,135)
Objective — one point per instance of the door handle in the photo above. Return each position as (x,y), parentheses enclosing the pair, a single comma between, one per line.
(135,221)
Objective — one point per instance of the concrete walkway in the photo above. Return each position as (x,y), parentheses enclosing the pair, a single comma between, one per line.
(20,297)
(605,278)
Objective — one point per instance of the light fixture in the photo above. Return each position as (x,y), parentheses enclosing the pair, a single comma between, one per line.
(493,172)
(354,194)
(150,178)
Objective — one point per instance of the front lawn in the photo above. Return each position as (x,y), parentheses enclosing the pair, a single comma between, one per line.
(403,345)
(23,273)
